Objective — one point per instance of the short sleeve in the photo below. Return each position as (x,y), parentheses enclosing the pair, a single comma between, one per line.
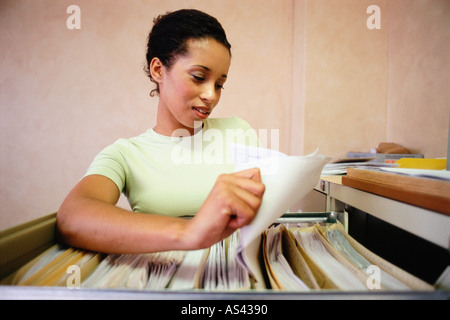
(110,162)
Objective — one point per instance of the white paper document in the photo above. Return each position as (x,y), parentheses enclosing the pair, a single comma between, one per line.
(287,180)
(424,173)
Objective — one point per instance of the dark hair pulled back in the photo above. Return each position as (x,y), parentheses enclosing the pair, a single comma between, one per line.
(168,38)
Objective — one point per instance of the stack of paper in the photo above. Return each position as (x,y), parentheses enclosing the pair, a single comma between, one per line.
(391,277)
(333,273)
(340,243)
(136,271)
(188,274)
(340,168)
(297,259)
(279,271)
(222,272)
(50,268)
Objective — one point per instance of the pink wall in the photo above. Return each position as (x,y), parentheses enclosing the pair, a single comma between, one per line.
(309,68)
(364,86)
(345,76)
(66,94)
(419,75)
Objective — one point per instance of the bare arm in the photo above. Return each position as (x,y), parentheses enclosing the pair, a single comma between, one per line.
(89,218)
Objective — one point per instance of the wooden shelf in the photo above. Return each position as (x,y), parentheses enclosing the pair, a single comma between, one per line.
(426,193)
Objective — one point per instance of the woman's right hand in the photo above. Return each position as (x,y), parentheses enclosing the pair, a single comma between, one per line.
(232,203)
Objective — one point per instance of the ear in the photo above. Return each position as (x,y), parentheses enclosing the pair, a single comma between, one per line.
(156,69)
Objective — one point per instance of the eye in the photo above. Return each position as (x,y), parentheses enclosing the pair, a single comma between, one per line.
(198,78)
(219,86)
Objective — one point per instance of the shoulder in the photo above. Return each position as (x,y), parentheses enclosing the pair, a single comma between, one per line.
(120,149)
(120,146)
(125,144)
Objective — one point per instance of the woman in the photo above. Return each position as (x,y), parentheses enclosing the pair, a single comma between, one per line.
(188,58)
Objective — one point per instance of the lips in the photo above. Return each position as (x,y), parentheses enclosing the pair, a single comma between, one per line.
(201,112)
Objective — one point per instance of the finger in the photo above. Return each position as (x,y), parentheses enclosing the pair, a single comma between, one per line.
(252,173)
(250,197)
(241,189)
(253,186)
(242,180)
(242,208)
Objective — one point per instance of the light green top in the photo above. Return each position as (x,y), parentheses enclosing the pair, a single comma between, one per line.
(172,175)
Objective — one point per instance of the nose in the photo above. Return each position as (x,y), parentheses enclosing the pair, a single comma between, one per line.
(209,95)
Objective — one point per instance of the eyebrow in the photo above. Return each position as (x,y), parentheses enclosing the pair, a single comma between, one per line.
(207,69)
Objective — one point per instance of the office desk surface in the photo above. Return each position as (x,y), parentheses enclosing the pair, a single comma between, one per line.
(427,193)
(426,223)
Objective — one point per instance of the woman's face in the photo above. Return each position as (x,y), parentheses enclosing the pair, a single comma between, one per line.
(192,87)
